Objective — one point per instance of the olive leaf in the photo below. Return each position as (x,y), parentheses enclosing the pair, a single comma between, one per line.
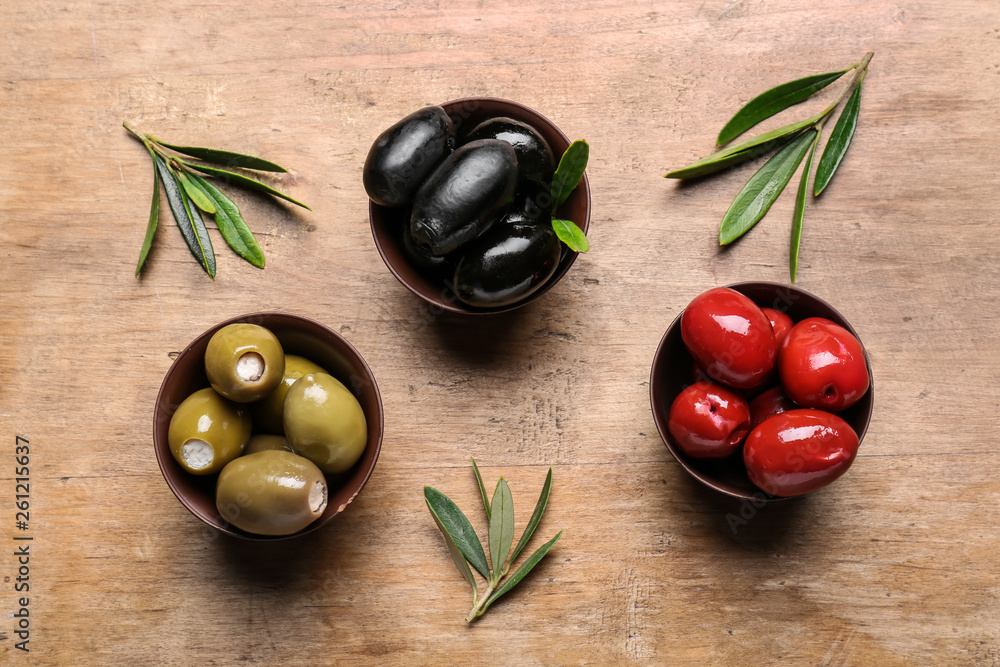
(501,528)
(224,157)
(763,188)
(840,140)
(791,143)
(231,224)
(773,101)
(466,549)
(458,527)
(571,235)
(154,218)
(189,194)
(800,210)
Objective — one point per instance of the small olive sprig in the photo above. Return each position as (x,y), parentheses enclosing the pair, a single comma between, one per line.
(189,193)
(565,179)
(792,141)
(466,549)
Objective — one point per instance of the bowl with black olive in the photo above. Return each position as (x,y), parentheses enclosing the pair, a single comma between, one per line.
(460,204)
(267,426)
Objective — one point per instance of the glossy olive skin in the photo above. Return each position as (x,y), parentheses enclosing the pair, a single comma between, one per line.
(264,442)
(823,366)
(799,451)
(407,153)
(781,324)
(207,431)
(271,492)
(730,337)
(531,206)
(772,402)
(244,362)
(463,196)
(421,257)
(709,421)
(325,423)
(267,412)
(535,161)
(506,265)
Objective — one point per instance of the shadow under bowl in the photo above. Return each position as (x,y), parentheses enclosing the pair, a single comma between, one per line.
(387,223)
(672,372)
(298,335)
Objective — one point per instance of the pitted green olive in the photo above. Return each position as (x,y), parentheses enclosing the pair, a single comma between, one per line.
(267,411)
(207,431)
(271,493)
(244,362)
(263,442)
(324,422)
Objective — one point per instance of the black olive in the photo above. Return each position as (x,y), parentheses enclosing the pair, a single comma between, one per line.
(404,155)
(535,160)
(464,195)
(532,205)
(506,264)
(421,258)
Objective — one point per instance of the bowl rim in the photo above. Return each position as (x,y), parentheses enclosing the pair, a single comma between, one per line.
(660,357)
(565,262)
(161,449)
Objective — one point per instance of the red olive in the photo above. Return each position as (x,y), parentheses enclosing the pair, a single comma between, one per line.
(799,451)
(823,366)
(771,402)
(730,337)
(708,421)
(781,323)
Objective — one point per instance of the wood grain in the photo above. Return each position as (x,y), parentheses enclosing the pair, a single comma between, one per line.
(893,565)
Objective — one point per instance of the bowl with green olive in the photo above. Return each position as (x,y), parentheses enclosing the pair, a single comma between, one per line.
(235,458)
(460,207)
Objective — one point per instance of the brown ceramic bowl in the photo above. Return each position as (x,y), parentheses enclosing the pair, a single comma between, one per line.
(671,372)
(298,335)
(387,223)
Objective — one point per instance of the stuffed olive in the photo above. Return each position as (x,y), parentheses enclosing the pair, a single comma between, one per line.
(267,411)
(324,422)
(271,493)
(264,442)
(403,156)
(506,265)
(207,431)
(464,195)
(535,161)
(244,362)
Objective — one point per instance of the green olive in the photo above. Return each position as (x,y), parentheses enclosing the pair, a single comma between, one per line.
(267,411)
(324,422)
(207,431)
(261,443)
(244,362)
(271,493)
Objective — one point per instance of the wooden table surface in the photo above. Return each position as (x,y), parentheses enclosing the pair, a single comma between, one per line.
(895,564)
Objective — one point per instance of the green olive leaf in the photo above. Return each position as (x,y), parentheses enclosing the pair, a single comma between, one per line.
(567,176)
(456,554)
(773,101)
(705,168)
(224,157)
(501,527)
(698,168)
(800,210)
(154,218)
(763,189)
(243,181)
(536,516)
(482,488)
(200,199)
(571,235)
(525,568)
(840,140)
(231,224)
(458,527)
(176,199)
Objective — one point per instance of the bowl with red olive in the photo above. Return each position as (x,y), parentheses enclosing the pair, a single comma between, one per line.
(267,425)
(461,204)
(761,391)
